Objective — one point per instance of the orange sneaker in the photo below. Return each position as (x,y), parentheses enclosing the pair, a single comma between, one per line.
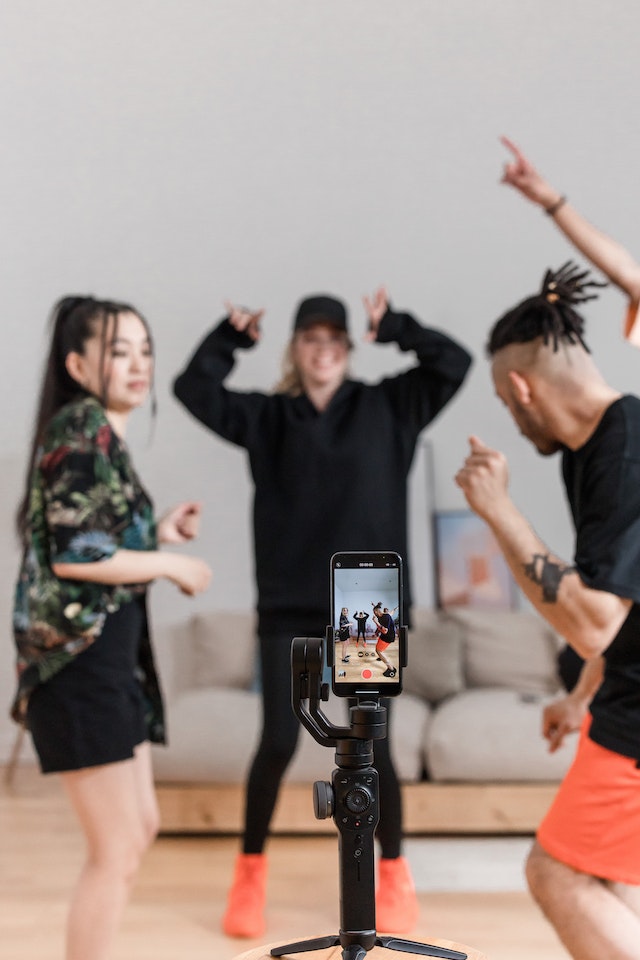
(396,901)
(244,916)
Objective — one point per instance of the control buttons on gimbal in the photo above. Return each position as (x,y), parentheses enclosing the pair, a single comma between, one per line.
(357,800)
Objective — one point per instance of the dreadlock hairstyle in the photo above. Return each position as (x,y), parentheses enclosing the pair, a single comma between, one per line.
(550,313)
(74,320)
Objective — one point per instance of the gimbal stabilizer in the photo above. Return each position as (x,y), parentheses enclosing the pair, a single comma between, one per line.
(352,800)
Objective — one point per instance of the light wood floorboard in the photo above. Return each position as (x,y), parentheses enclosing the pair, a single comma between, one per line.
(179,897)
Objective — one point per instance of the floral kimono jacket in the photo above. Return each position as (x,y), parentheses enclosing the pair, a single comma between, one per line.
(85,503)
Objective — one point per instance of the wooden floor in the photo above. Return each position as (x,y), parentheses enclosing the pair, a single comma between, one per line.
(179,898)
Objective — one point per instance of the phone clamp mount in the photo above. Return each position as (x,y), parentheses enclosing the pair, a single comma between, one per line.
(352,800)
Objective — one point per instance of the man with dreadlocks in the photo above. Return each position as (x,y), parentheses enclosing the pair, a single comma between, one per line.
(606,254)
(584,867)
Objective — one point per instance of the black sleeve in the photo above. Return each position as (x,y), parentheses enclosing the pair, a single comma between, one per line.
(419,394)
(607,555)
(570,666)
(231,414)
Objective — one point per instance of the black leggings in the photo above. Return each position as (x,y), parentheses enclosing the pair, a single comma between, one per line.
(280,729)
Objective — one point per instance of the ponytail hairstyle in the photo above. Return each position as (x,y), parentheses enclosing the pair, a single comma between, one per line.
(549,314)
(74,320)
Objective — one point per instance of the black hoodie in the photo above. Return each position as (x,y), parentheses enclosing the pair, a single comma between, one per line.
(324,481)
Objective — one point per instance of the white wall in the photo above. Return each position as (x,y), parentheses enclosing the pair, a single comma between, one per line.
(179,153)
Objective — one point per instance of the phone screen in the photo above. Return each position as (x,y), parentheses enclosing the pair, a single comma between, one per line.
(366,617)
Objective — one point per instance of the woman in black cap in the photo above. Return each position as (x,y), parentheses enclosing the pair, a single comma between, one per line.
(361,618)
(306,509)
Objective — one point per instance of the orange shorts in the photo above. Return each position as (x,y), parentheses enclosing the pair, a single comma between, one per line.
(593,824)
(382,644)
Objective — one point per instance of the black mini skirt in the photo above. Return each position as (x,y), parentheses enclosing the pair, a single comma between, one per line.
(92,711)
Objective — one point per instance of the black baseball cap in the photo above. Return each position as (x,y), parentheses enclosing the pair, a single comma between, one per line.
(320,309)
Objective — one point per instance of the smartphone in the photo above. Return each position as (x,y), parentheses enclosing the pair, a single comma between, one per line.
(368,648)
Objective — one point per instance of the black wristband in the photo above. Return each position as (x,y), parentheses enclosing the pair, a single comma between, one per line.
(553,209)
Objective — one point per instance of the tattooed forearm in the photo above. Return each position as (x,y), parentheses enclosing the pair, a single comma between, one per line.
(547,574)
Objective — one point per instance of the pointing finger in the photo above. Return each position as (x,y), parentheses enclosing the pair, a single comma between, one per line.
(477,446)
(510,145)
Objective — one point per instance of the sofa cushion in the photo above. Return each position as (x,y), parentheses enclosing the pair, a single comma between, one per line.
(505,648)
(213,735)
(410,719)
(435,663)
(493,735)
(223,649)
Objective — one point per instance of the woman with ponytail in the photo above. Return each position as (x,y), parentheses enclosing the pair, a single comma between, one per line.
(87,686)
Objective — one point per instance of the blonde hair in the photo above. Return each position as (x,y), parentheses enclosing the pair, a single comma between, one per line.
(290,381)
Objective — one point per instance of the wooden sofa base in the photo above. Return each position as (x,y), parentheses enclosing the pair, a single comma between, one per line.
(429,808)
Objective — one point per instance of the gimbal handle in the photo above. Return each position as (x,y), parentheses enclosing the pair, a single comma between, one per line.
(352,800)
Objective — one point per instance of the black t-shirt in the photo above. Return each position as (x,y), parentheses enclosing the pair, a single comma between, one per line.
(386,620)
(602,480)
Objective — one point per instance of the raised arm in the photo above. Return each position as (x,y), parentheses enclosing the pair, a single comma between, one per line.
(606,254)
(421,392)
(587,618)
(200,386)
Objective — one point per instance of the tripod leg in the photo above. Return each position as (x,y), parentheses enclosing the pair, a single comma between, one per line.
(354,952)
(423,949)
(305,946)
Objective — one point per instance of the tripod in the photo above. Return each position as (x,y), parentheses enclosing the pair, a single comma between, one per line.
(352,800)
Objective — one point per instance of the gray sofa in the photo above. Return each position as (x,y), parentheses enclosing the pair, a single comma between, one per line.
(470,711)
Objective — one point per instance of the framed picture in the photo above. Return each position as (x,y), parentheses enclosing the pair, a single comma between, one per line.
(470,570)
